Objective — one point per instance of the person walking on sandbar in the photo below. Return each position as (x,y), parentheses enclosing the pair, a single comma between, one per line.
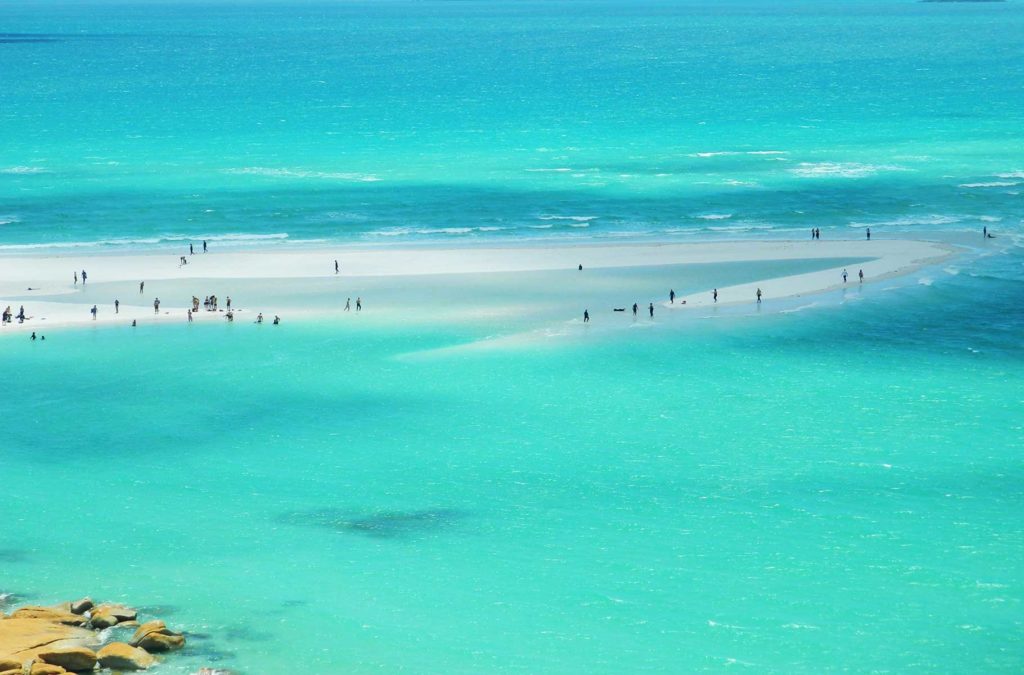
(634,310)
(93,310)
(348,304)
(650,308)
(860,273)
(156,306)
(869,234)
(117,306)
(335,266)
(76,277)
(359,304)
(759,296)
(714,296)
(844,275)
(84,277)
(672,296)
(586,316)
(142,284)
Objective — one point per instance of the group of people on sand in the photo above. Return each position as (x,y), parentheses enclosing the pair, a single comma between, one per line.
(9,316)
(84,277)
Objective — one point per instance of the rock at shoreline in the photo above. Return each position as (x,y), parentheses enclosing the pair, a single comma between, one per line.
(121,656)
(52,614)
(106,616)
(40,668)
(154,636)
(21,639)
(82,606)
(70,658)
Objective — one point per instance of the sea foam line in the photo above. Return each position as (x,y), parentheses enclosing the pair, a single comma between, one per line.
(302,173)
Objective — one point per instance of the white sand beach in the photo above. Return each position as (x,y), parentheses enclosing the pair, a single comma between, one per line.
(542,282)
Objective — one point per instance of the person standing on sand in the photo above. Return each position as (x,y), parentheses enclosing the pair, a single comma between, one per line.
(76,277)
(671,296)
(33,337)
(259,318)
(191,251)
(204,246)
(190,316)
(844,275)
(156,306)
(84,277)
(634,310)
(860,273)
(984,235)
(359,304)
(117,306)
(869,234)
(142,284)
(759,296)
(133,323)
(714,296)
(586,316)
(335,266)
(229,303)
(348,304)
(650,308)
(93,311)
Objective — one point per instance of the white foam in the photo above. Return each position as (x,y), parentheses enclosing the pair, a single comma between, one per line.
(302,173)
(578,219)
(714,216)
(840,169)
(925,281)
(1011,174)
(151,241)
(8,219)
(730,153)
(990,184)
(990,219)
(24,170)
(931,219)
(560,169)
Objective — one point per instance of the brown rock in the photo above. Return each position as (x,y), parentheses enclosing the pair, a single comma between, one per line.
(154,636)
(154,626)
(39,668)
(101,619)
(22,638)
(70,658)
(9,664)
(82,606)
(19,671)
(120,612)
(158,642)
(49,614)
(121,656)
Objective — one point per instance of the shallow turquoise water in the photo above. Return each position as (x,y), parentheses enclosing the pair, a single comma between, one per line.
(794,492)
(152,123)
(835,487)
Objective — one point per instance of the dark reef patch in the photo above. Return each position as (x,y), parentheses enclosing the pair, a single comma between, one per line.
(379,524)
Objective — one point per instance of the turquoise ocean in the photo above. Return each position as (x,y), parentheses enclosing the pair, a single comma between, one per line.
(835,488)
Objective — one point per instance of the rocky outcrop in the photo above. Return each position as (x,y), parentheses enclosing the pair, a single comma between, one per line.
(121,656)
(61,639)
(69,658)
(154,637)
(52,614)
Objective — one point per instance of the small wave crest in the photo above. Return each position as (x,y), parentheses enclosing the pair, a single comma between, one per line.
(1011,174)
(714,216)
(840,169)
(24,170)
(162,240)
(302,173)
(990,184)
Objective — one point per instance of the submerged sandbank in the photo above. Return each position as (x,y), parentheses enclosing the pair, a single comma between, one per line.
(449,284)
